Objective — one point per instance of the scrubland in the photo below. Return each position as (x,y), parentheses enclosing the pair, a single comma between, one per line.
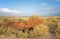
(30,27)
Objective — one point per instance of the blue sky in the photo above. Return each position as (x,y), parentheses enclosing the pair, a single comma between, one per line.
(29,7)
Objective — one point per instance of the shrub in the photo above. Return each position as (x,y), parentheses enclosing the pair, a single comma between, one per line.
(35,20)
(39,30)
(53,24)
(22,34)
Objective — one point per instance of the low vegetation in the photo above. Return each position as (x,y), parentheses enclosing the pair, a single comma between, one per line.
(33,27)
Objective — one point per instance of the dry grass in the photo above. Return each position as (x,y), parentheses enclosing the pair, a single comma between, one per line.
(50,23)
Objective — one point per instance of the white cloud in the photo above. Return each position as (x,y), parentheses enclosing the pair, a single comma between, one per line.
(49,10)
(7,10)
(44,4)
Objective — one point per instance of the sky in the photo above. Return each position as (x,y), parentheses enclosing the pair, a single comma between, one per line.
(29,7)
